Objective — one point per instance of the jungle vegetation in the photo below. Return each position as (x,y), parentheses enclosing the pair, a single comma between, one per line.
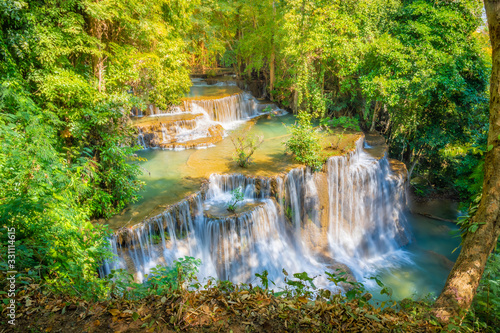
(416,71)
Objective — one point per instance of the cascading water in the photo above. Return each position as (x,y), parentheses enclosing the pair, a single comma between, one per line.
(365,201)
(227,109)
(300,221)
(199,122)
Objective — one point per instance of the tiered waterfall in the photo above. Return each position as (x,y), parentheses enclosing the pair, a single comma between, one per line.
(350,214)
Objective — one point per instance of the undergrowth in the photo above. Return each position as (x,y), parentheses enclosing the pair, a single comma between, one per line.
(304,142)
(172,298)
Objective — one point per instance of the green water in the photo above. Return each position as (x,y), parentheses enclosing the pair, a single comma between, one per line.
(172,175)
(430,252)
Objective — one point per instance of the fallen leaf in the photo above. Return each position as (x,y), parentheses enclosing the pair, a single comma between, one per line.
(114,312)
(369,316)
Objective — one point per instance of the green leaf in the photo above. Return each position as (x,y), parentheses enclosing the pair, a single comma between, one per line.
(373,317)
(473,227)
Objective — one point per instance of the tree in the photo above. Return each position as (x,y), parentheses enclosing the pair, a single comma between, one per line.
(69,73)
(462,283)
(245,146)
(236,196)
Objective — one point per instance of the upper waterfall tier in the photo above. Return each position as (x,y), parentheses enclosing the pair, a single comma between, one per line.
(199,121)
(350,213)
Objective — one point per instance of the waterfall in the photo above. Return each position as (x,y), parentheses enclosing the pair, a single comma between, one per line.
(352,213)
(227,109)
(199,123)
(365,200)
(140,138)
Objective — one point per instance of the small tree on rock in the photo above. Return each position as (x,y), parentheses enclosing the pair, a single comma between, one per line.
(236,196)
(245,147)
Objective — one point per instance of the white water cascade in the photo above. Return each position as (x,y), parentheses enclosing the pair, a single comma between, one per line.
(227,109)
(351,214)
(198,122)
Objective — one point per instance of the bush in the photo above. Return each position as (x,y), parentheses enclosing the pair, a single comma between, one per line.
(245,147)
(304,142)
(343,122)
(237,196)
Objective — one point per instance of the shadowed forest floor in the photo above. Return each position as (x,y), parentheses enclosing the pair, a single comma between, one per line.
(216,310)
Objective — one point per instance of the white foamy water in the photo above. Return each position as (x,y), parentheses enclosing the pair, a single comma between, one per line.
(301,222)
(229,112)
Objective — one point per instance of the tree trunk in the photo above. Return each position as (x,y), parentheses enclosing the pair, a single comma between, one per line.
(462,283)
(375,116)
(295,106)
(271,72)
(272,60)
(412,167)
(97,28)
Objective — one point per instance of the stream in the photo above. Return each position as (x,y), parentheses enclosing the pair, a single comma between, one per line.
(352,216)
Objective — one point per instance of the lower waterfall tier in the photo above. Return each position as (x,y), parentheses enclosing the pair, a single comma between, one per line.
(350,214)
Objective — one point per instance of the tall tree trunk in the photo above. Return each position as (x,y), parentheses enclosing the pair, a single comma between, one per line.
(271,72)
(97,28)
(272,60)
(295,106)
(462,283)
(375,116)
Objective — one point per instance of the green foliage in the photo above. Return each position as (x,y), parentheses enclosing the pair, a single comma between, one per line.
(166,279)
(346,123)
(446,93)
(245,146)
(304,142)
(302,285)
(289,213)
(466,222)
(163,280)
(486,306)
(69,73)
(236,196)
(156,239)
(420,186)
(264,280)
(416,71)
(40,198)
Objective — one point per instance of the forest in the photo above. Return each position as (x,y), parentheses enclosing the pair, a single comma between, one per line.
(421,75)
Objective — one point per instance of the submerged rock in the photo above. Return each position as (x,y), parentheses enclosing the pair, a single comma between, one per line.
(441,259)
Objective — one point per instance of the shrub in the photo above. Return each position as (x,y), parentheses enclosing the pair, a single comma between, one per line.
(236,196)
(245,147)
(304,142)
